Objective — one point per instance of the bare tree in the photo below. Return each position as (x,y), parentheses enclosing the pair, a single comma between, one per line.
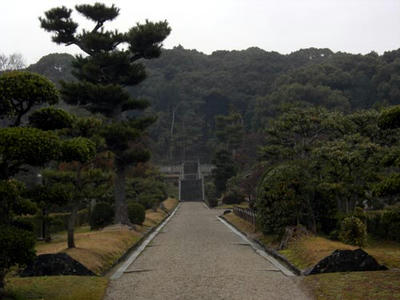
(14,61)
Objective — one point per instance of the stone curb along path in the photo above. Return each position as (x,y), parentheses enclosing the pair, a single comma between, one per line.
(140,246)
(258,248)
(196,256)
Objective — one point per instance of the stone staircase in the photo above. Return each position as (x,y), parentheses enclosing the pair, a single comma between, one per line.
(191,183)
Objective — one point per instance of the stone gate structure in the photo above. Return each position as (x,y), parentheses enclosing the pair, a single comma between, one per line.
(191,182)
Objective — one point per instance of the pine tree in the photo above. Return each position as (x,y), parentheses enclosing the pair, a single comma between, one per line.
(113,62)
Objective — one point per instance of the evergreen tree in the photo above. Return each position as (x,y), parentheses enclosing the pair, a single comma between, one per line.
(19,147)
(112,63)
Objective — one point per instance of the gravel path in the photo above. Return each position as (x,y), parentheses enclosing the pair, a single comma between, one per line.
(195,256)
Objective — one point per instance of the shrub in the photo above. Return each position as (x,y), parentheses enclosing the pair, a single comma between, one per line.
(148,200)
(136,213)
(149,192)
(334,235)
(353,231)
(233,197)
(359,213)
(17,246)
(50,118)
(102,215)
(211,194)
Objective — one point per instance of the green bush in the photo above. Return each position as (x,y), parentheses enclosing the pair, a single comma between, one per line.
(233,197)
(148,200)
(102,215)
(136,213)
(384,224)
(211,194)
(391,220)
(359,213)
(353,231)
(334,235)
(149,192)
(17,246)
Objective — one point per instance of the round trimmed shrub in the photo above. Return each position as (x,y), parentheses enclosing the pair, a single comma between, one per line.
(102,215)
(353,231)
(136,213)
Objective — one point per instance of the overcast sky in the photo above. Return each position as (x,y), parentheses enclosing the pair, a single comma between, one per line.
(355,26)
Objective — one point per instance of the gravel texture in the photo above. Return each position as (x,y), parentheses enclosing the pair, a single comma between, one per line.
(195,256)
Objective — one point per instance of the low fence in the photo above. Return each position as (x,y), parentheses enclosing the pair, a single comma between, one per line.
(245,213)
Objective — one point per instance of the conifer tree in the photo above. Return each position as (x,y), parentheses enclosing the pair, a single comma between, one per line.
(113,62)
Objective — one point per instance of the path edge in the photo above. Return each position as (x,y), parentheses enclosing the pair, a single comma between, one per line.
(269,250)
(109,272)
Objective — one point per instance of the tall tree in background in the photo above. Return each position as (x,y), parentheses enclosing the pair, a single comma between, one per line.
(12,62)
(103,75)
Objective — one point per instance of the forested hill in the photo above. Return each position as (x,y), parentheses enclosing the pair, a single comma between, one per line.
(188,89)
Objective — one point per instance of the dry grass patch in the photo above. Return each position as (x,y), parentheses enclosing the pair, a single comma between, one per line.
(57,288)
(385,252)
(309,250)
(250,230)
(230,206)
(99,250)
(96,250)
(153,218)
(382,285)
(240,223)
(170,204)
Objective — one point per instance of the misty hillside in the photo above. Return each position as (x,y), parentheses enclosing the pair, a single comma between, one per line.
(187,89)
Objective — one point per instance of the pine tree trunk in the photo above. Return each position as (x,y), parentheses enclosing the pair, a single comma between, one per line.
(2,289)
(71,226)
(121,211)
(46,225)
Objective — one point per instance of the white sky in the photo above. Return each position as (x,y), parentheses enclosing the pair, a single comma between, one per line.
(355,26)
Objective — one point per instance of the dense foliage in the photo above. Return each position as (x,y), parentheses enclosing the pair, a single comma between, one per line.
(353,231)
(113,62)
(21,148)
(136,213)
(306,137)
(20,91)
(101,215)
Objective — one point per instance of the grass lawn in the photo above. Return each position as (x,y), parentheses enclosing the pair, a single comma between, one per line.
(268,240)
(230,206)
(308,250)
(379,285)
(97,250)
(57,288)
(385,252)
(155,217)
(170,204)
